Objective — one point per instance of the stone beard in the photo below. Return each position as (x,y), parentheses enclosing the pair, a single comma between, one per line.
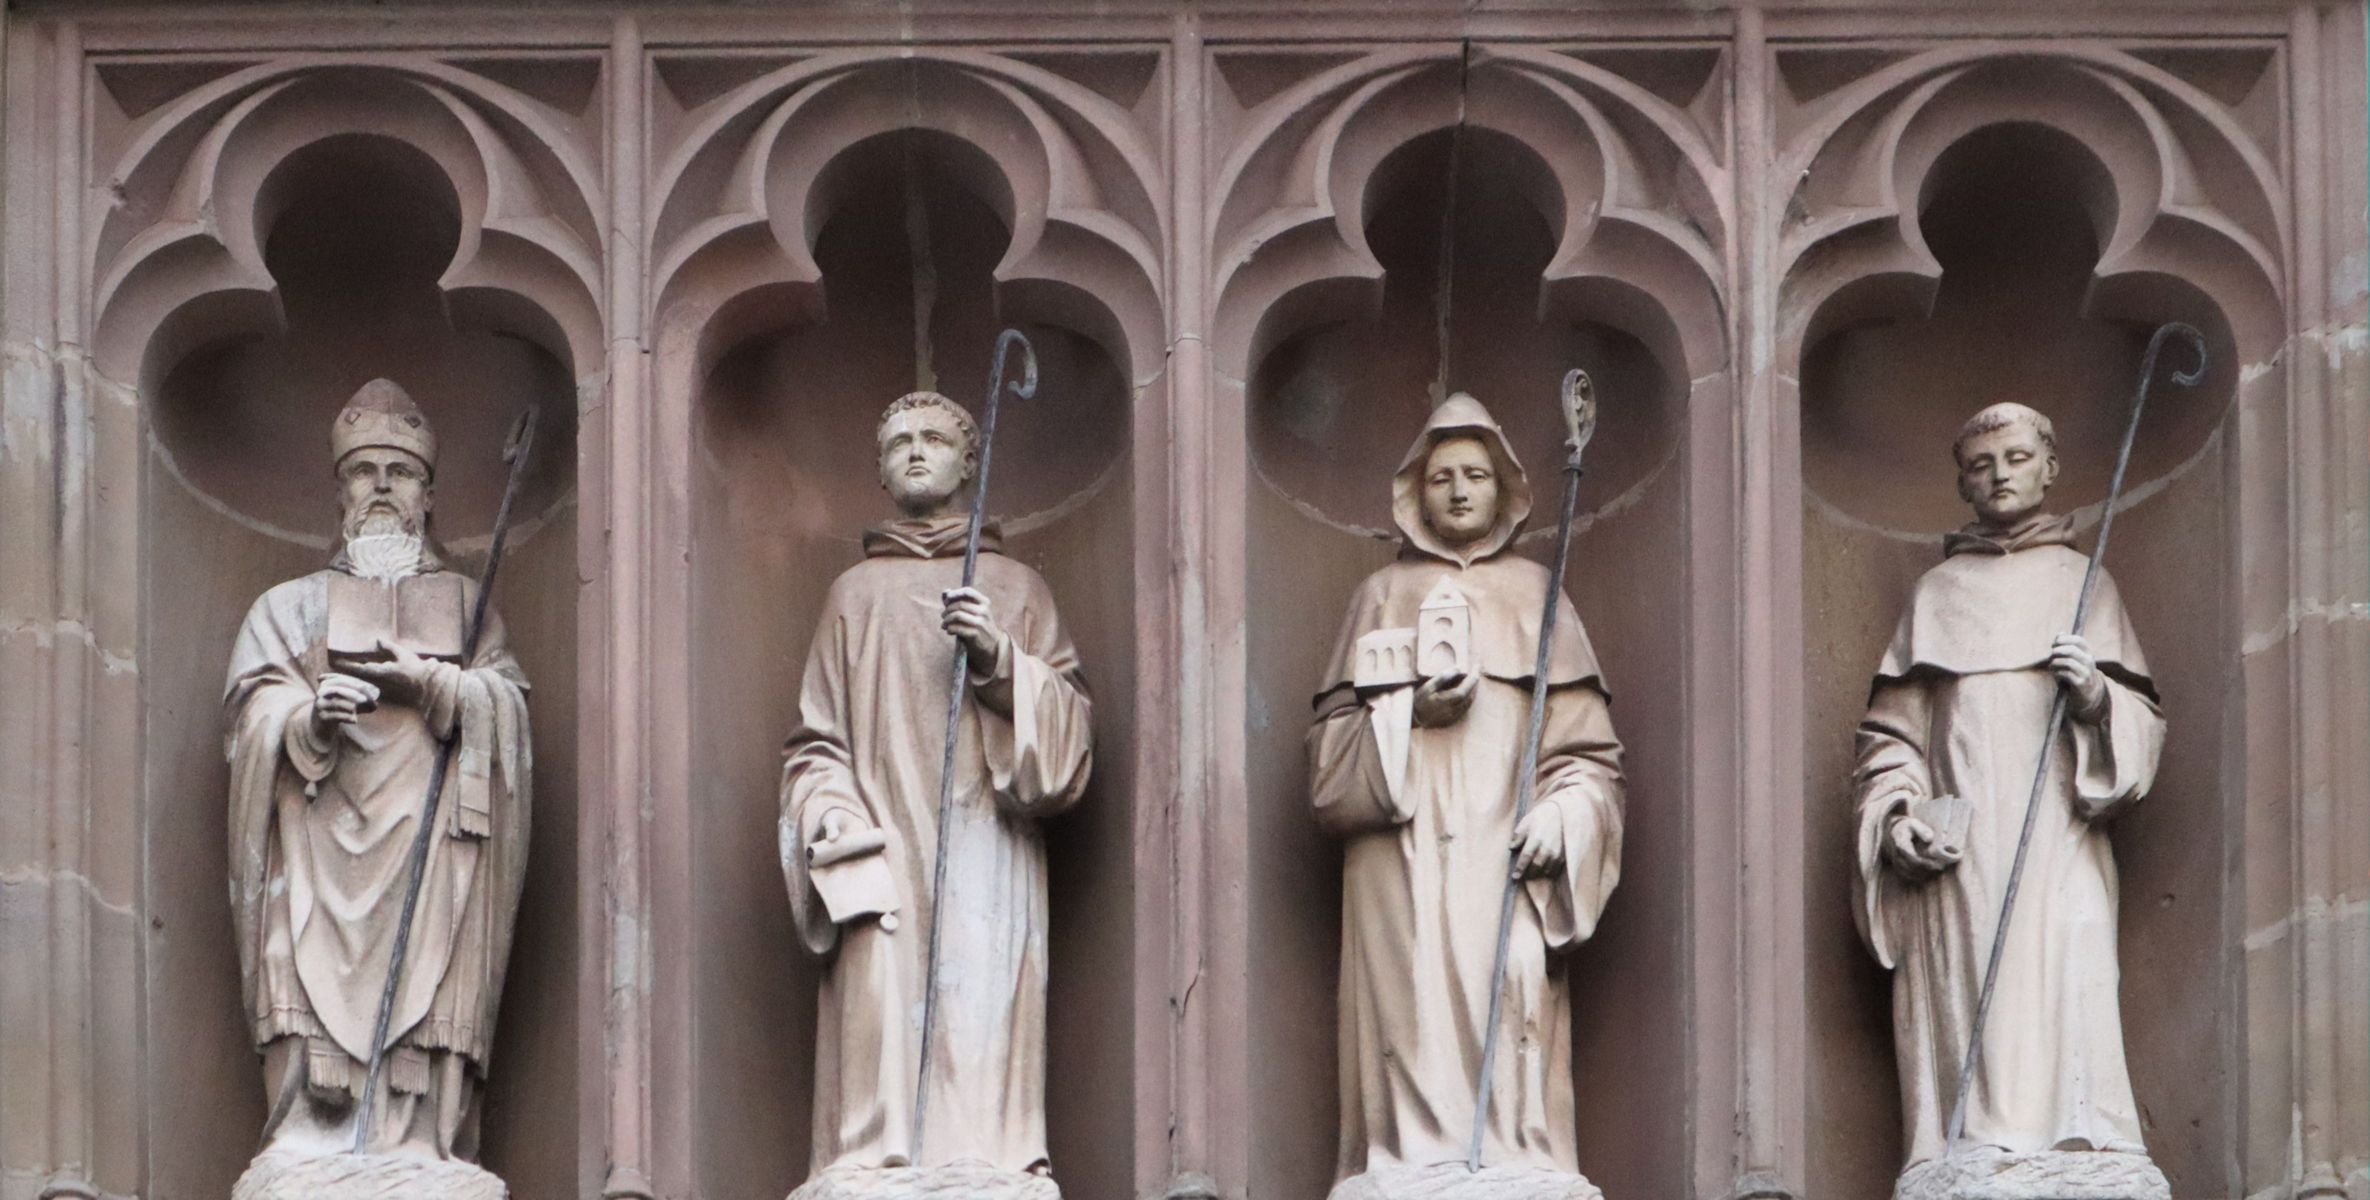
(1949,745)
(861,780)
(1426,811)
(326,801)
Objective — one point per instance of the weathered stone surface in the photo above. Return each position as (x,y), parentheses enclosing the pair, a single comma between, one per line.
(1989,1174)
(282,1176)
(1451,1181)
(928,1183)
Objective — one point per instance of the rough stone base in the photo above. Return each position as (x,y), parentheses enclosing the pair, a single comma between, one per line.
(283,1176)
(1985,1173)
(1451,1181)
(928,1183)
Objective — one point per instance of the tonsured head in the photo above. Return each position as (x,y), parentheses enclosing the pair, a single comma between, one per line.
(929,448)
(2007,458)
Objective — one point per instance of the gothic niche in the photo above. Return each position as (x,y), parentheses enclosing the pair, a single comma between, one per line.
(891,254)
(2028,241)
(250,283)
(1473,238)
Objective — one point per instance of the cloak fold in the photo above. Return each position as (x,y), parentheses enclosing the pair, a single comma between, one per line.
(321,829)
(870,735)
(1958,707)
(1428,816)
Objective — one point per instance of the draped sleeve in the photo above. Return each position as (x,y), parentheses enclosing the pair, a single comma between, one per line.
(268,704)
(1889,776)
(2115,756)
(1580,779)
(818,771)
(1040,748)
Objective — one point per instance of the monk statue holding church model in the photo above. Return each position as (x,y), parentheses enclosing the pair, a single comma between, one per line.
(347,687)
(1419,735)
(1948,754)
(871,868)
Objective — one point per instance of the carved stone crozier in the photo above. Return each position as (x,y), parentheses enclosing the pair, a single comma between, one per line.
(860,835)
(341,684)
(1419,730)
(1946,759)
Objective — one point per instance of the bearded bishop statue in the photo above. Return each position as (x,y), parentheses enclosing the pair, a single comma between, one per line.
(343,684)
(861,839)
(1418,736)
(1947,754)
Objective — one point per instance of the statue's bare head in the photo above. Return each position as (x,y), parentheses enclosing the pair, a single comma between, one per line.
(386,467)
(929,448)
(2007,458)
(1460,490)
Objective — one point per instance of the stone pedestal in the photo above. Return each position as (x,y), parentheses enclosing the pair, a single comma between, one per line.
(1451,1181)
(281,1176)
(1984,1173)
(928,1183)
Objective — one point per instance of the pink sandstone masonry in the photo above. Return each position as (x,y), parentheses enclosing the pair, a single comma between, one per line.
(1794,242)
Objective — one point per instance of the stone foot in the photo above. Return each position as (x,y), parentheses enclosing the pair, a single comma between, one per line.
(1451,1181)
(280,1175)
(960,1182)
(1989,1173)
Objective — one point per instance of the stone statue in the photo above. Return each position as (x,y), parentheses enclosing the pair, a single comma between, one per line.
(342,684)
(860,837)
(1946,759)
(1418,733)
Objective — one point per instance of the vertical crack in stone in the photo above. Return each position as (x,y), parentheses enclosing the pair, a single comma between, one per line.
(1444,274)
(917,241)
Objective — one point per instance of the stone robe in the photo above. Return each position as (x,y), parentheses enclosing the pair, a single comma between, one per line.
(870,739)
(320,835)
(1428,819)
(1958,707)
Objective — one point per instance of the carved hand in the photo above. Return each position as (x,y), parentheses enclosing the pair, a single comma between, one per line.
(969,617)
(1444,699)
(2077,671)
(837,823)
(1539,843)
(402,677)
(338,699)
(1909,844)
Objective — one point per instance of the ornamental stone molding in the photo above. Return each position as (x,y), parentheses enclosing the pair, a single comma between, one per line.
(1794,245)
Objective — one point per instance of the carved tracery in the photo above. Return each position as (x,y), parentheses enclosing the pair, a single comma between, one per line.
(741,193)
(1637,194)
(193,203)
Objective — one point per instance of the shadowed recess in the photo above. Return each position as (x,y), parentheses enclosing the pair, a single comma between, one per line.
(1337,403)
(367,227)
(907,228)
(2015,213)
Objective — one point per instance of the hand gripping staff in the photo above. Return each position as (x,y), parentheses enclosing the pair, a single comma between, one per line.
(1022,388)
(1579,411)
(515,451)
(2057,711)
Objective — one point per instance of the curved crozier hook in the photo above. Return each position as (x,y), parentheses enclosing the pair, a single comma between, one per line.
(2197,352)
(1025,387)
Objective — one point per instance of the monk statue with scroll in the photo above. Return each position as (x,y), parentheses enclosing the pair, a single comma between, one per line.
(861,839)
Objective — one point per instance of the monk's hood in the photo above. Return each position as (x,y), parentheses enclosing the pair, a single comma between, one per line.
(1460,416)
(1997,602)
(930,537)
